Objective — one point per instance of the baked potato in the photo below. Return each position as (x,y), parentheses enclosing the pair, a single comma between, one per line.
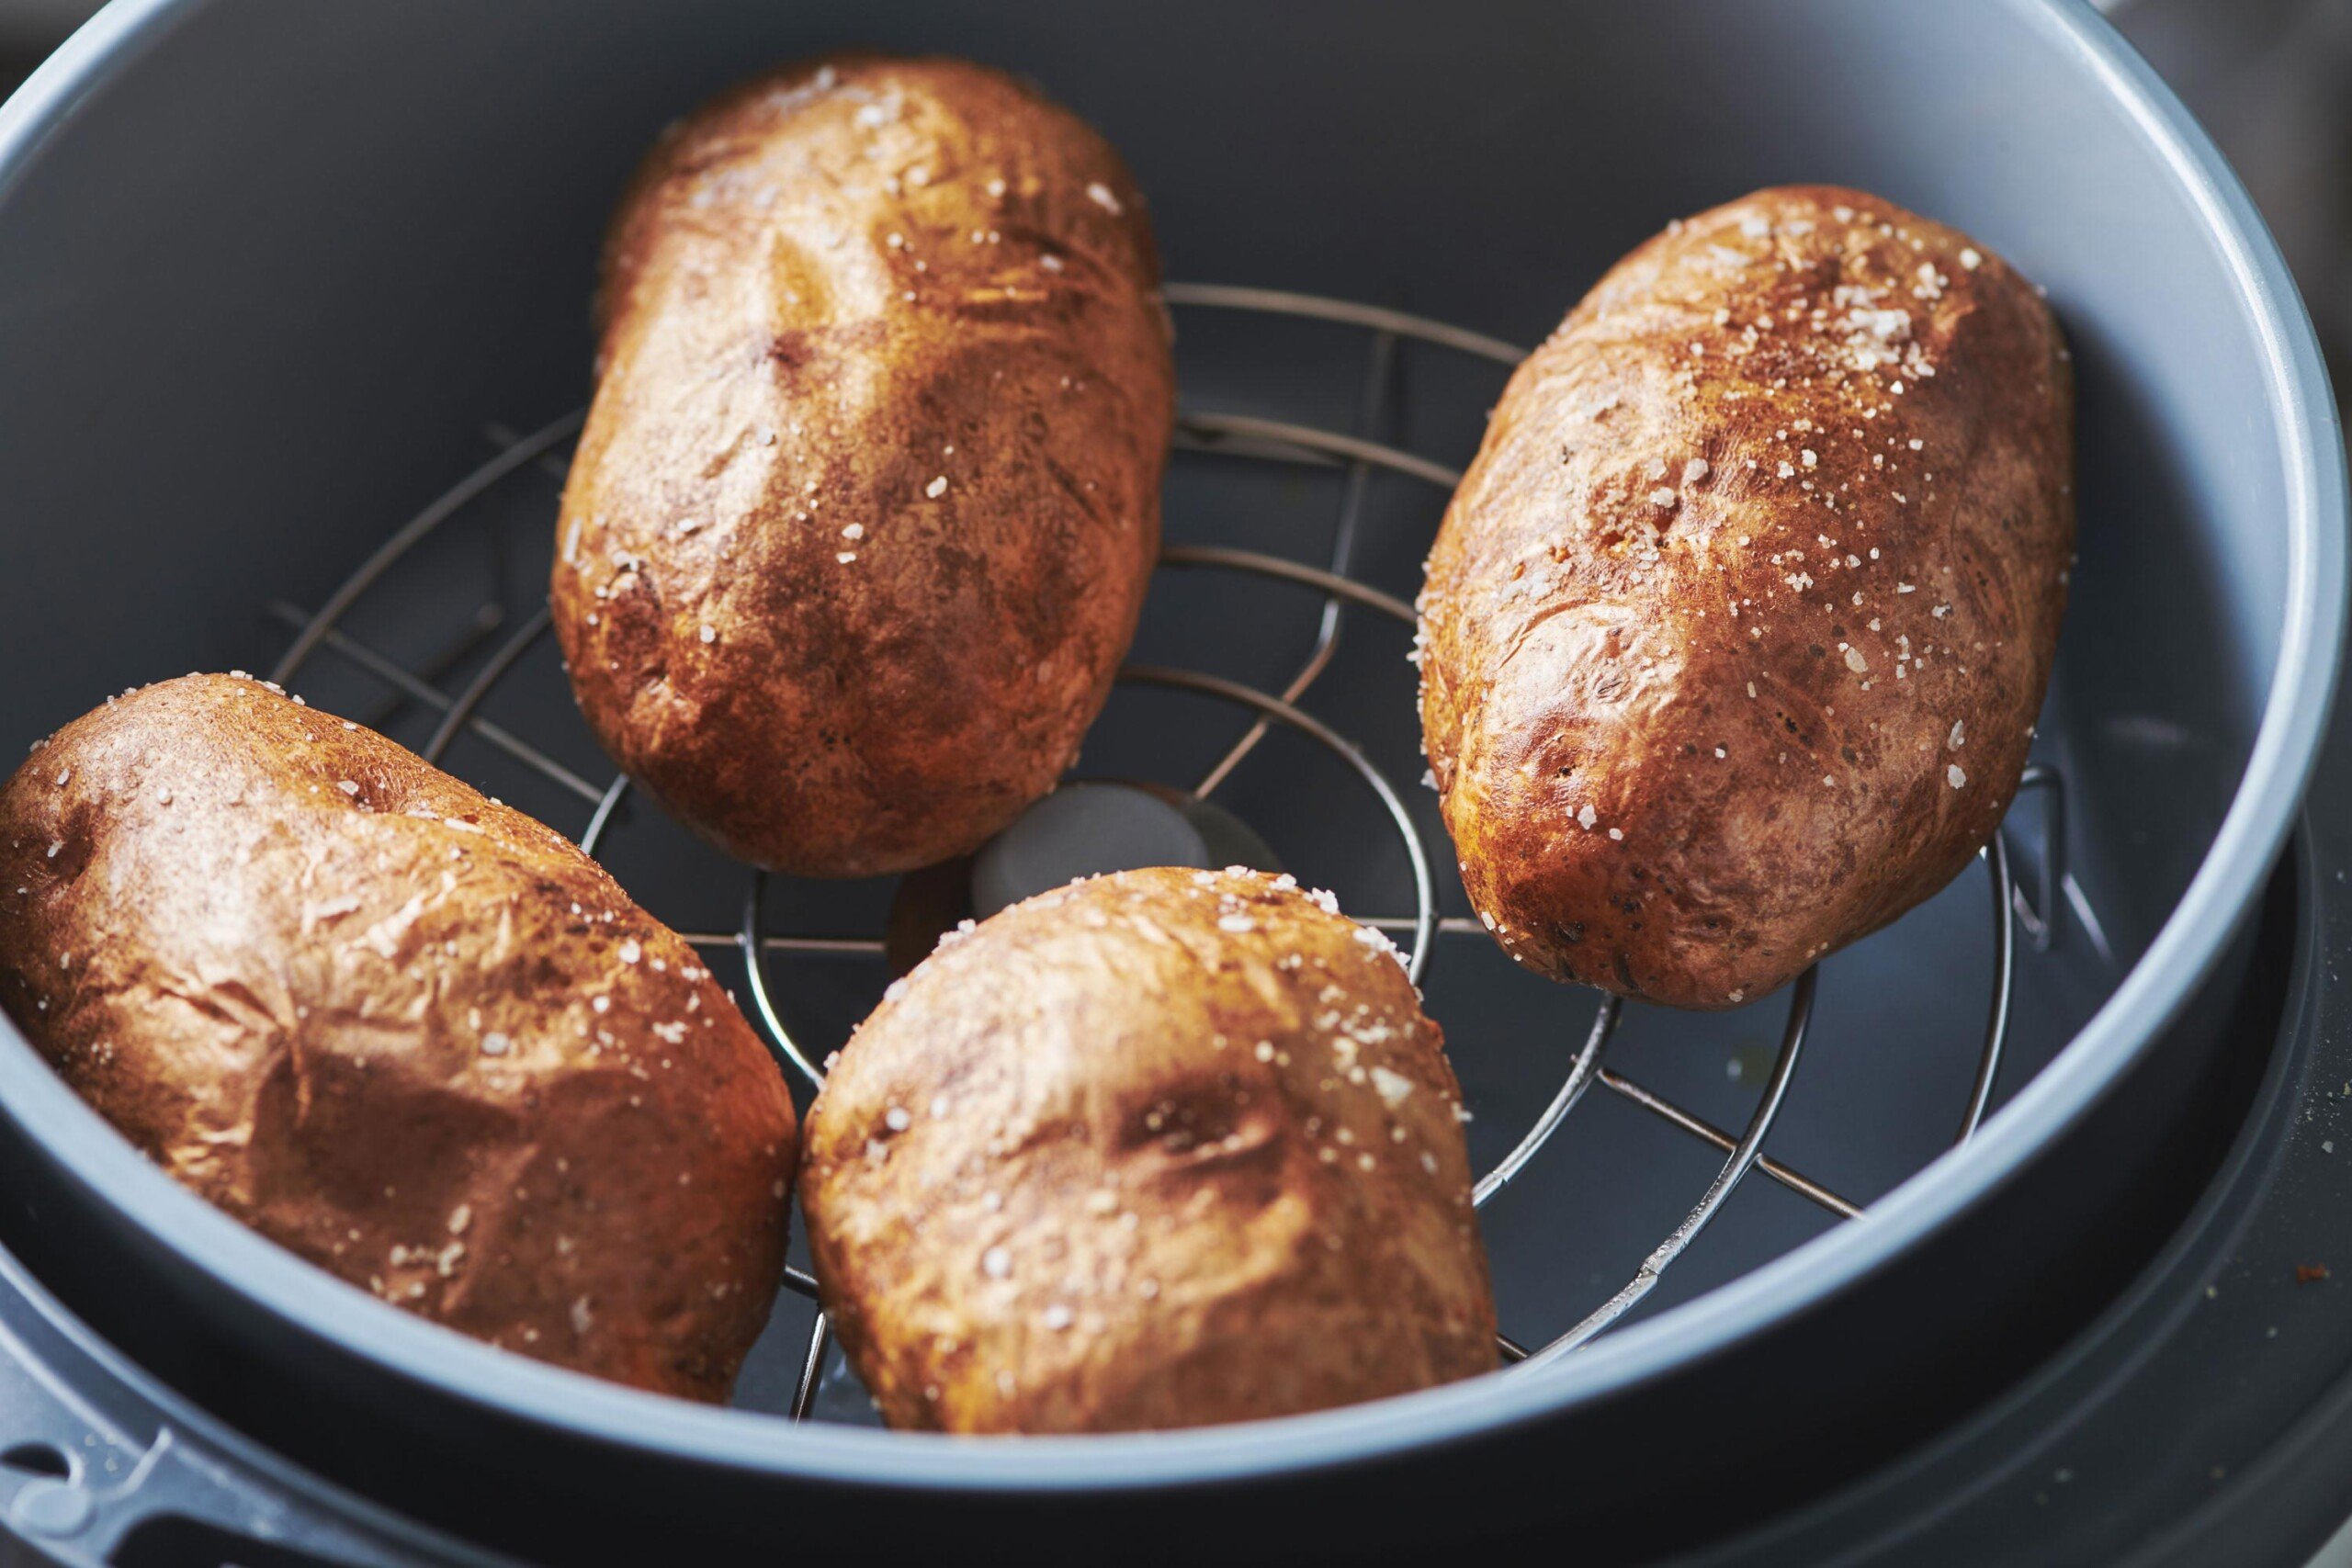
(861,521)
(407,1033)
(1733,637)
(1158,1149)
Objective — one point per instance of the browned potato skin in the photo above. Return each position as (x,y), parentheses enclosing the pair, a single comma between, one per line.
(1750,602)
(288,993)
(1210,1131)
(901,310)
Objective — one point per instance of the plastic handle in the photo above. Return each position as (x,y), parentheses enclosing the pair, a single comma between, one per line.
(92,1473)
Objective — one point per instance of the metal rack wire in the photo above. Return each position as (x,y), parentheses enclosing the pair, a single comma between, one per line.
(1362,454)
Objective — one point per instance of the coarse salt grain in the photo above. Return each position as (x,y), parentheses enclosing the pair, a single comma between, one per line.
(1955,775)
(1393,1087)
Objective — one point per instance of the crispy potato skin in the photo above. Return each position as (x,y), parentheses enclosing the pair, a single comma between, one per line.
(862,519)
(1159,1149)
(365,1022)
(1735,634)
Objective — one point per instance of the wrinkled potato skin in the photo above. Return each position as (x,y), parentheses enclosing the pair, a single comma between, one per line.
(1211,1132)
(807,355)
(285,994)
(1795,700)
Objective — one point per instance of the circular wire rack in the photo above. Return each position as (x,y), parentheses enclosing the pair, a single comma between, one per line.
(1361,460)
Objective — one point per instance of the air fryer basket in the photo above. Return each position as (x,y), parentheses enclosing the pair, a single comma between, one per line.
(287,377)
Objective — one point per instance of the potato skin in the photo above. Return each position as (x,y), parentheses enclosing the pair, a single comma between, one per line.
(862,519)
(1735,632)
(1159,1149)
(364,1021)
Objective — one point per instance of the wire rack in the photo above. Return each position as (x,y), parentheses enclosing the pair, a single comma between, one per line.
(1363,461)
